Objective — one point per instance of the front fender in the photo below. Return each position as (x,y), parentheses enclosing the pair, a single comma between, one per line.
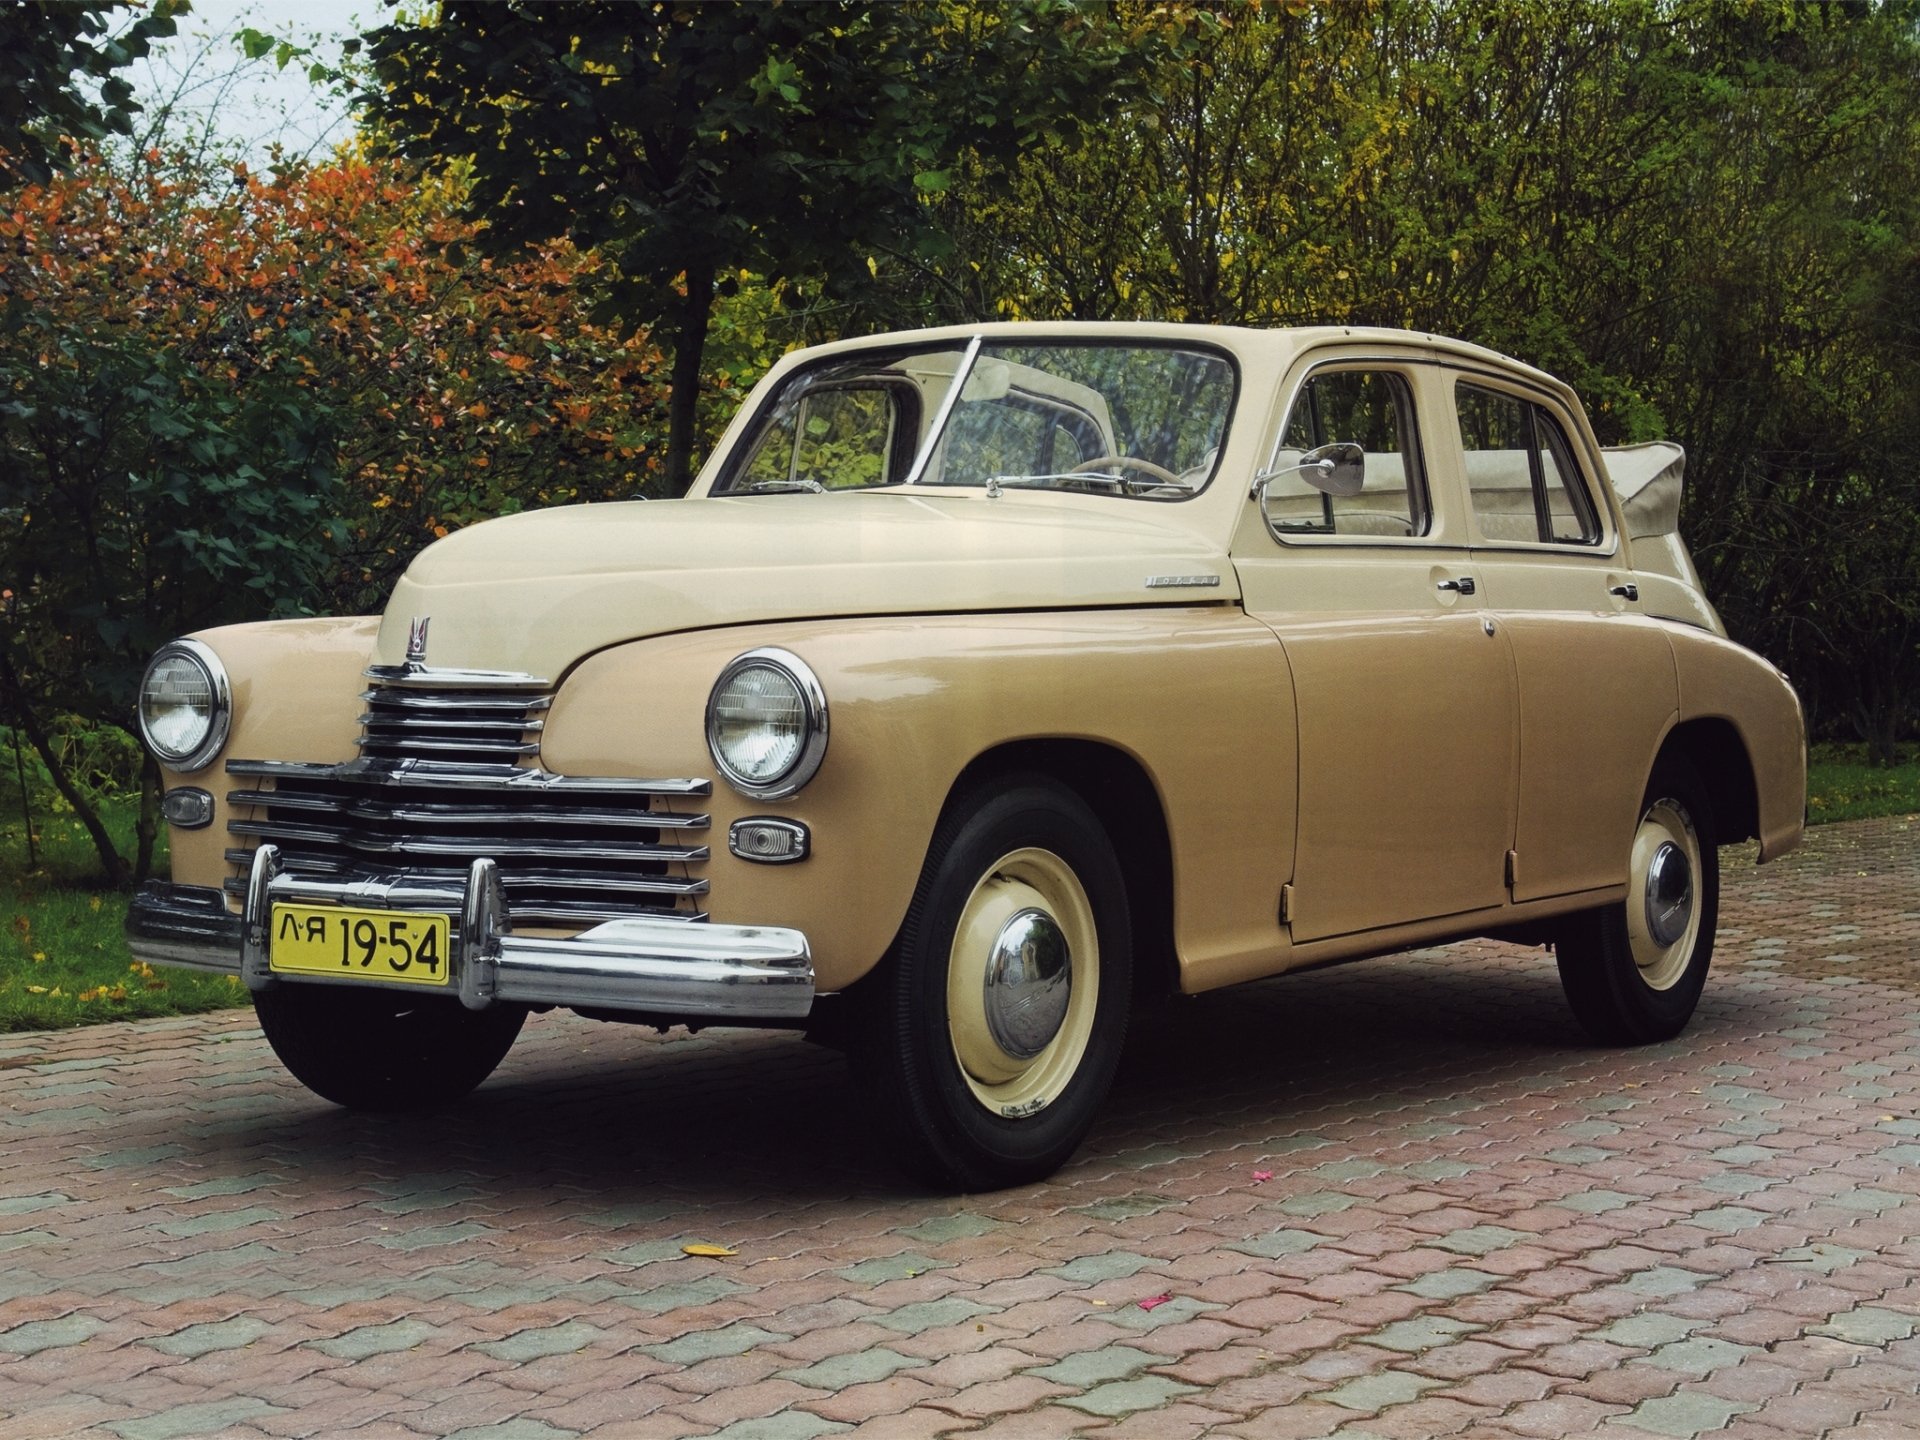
(1195,695)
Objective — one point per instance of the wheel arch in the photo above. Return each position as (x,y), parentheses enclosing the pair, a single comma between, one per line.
(1718,753)
(1122,795)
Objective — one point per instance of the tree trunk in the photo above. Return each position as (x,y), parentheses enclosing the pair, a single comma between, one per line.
(111,864)
(683,402)
(148,825)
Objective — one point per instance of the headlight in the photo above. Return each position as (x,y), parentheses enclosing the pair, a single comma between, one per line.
(185,705)
(767,723)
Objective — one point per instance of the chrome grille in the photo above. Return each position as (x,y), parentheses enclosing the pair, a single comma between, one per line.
(446,777)
(451,723)
(570,850)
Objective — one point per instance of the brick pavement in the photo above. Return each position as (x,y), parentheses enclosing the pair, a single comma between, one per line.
(1475,1224)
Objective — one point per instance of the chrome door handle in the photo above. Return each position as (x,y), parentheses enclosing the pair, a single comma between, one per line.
(1625,592)
(1463,586)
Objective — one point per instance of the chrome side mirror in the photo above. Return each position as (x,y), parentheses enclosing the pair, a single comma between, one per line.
(1339,469)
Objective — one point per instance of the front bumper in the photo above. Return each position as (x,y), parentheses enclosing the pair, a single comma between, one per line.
(655,967)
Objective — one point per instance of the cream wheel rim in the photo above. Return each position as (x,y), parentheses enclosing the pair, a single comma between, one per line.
(1023,981)
(1663,894)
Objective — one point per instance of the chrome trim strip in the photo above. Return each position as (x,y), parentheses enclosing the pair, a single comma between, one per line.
(427,702)
(438,725)
(652,966)
(465,848)
(947,402)
(431,813)
(427,677)
(431,880)
(505,779)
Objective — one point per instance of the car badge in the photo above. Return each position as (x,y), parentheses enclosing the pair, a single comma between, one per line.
(417,641)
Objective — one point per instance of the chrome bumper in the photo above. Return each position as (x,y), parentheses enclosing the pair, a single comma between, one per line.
(652,966)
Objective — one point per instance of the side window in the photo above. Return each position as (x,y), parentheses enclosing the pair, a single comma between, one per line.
(1521,474)
(1374,410)
(838,439)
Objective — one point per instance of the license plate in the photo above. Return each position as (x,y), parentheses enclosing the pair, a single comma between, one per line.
(404,945)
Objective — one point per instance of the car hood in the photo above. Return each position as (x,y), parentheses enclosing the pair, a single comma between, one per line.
(539,591)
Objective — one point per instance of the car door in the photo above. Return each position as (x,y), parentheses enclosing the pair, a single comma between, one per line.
(1403,685)
(1596,680)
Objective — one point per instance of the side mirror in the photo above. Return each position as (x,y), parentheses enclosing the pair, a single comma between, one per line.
(1337,469)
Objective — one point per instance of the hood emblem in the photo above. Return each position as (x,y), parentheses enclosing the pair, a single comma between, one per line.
(417,641)
(1182,582)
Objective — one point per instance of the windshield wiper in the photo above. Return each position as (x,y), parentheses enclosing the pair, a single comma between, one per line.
(768,487)
(1116,482)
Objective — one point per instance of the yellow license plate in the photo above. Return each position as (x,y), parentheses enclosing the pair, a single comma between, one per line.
(404,945)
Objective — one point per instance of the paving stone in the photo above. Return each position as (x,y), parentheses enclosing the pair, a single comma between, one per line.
(891,1267)
(1698,1356)
(859,1368)
(541,1342)
(1095,1367)
(208,1339)
(524,1428)
(365,1341)
(1684,1415)
(1373,1393)
(193,1227)
(735,1339)
(205,1418)
(1480,1239)
(1647,1330)
(1124,1397)
(37,1335)
(1450,1284)
(1424,1332)
(1868,1325)
(1111,1265)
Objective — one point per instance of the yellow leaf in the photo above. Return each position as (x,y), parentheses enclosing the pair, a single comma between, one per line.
(718,1252)
(36,989)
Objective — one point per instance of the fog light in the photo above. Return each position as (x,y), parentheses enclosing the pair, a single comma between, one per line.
(769,841)
(187,808)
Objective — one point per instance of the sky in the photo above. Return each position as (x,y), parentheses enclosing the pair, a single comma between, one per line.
(212,88)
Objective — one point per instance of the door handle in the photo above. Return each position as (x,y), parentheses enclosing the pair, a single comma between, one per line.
(1463,586)
(1628,591)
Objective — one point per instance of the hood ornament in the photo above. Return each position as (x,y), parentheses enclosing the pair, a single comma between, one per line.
(417,642)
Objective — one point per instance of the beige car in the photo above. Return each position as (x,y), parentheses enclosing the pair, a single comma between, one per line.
(988,679)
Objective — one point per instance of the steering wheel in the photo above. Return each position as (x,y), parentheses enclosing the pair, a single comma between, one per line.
(1133,462)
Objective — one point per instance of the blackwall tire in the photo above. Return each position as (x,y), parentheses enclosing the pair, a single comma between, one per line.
(993,1029)
(1633,971)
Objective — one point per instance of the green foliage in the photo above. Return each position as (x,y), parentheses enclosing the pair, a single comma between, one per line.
(50,54)
(1701,215)
(1844,783)
(686,144)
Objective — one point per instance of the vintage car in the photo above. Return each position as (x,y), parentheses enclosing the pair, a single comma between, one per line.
(988,679)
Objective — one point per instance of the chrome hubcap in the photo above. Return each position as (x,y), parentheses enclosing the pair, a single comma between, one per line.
(1669,890)
(1028,984)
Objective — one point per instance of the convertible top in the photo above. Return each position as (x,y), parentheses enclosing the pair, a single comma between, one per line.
(1648,480)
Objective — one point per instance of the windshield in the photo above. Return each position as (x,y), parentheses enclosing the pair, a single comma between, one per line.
(1105,417)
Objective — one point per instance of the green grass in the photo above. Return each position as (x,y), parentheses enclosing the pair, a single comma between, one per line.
(1842,786)
(63,959)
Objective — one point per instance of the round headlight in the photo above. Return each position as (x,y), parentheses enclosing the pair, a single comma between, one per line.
(767,723)
(185,705)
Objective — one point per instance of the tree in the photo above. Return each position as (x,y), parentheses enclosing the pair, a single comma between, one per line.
(49,52)
(686,144)
(262,400)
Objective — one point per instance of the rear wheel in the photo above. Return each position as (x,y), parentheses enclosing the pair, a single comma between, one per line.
(997,1021)
(384,1050)
(1633,971)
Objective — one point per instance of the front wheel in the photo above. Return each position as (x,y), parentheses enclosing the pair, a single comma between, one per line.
(384,1050)
(1633,971)
(996,1023)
